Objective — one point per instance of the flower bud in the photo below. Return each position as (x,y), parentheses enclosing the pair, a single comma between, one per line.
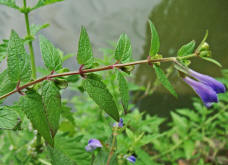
(205,46)
(204,53)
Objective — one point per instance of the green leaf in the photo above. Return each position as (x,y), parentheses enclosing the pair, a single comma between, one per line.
(36,28)
(50,54)
(5,84)
(123,88)
(179,121)
(33,108)
(42,3)
(52,105)
(85,54)
(3,50)
(99,93)
(130,134)
(186,49)
(8,118)
(164,80)
(68,151)
(189,147)
(123,51)
(193,116)
(154,43)
(212,61)
(9,3)
(19,68)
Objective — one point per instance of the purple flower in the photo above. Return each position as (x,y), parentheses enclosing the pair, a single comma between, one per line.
(120,124)
(205,92)
(131,158)
(217,86)
(93,144)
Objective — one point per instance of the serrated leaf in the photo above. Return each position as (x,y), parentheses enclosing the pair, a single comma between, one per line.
(6,85)
(123,50)
(68,151)
(189,113)
(212,61)
(154,43)
(99,93)
(85,54)
(33,108)
(123,88)
(8,118)
(50,54)
(179,121)
(42,3)
(9,3)
(3,50)
(186,49)
(164,80)
(130,134)
(36,28)
(18,61)
(52,105)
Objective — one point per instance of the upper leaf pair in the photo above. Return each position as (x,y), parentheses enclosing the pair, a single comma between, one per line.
(93,85)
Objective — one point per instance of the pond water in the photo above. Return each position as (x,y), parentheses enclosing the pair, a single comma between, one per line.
(177,22)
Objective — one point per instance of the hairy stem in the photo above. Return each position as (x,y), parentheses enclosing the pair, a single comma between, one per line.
(109,67)
(33,64)
(31,50)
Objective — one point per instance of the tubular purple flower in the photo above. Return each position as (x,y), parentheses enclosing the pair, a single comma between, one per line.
(131,159)
(93,144)
(217,86)
(205,92)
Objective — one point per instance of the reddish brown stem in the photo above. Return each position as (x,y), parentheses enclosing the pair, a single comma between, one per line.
(18,86)
(81,72)
(109,67)
(149,62)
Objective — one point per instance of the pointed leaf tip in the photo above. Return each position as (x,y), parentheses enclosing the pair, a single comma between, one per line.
(123,50)
(154,42)
(85,54)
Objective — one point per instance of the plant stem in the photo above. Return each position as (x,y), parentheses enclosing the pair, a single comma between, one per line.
(109,67)
(188,56)
(33,64)
(31,50)
(92,159)
(114,134)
